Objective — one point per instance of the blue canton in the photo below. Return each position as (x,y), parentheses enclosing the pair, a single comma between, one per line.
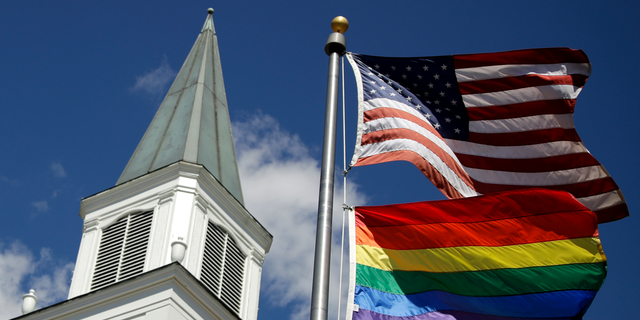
(428,84)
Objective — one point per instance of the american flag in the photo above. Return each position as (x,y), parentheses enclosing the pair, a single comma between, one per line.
(482,123)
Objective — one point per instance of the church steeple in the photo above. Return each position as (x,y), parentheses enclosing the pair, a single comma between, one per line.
(192,123)
(177,202)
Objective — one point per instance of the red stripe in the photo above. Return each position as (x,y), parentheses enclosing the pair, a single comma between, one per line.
(526,109)
(524,138)
(528,56)
(613,213)
(427,169)
(392,134)
(506,205)
(579,190)
(379,113)
(511,83)
(563,162)
(503,232)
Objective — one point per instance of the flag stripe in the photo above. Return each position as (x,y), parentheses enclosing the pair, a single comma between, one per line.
(540,150)
(561,162)
(393,110)
(536,179)
(601,195)
(380,136)
(501,282)
(459,259)
(579,190)
(364,314)
(528,56)
(524,138)
(538,305)
(387,119)
(516,70)
(515,96)
(613,213)
(489,233)
(525,109)
(383,103)
(530,202)
(539,122)
(603,200)
(529,80)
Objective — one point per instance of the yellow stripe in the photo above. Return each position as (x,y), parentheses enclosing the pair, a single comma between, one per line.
(459,259)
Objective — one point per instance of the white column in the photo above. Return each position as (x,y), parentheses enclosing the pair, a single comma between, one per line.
(159,239)
(252,287)
(81,280)
(197,233)
(182,212)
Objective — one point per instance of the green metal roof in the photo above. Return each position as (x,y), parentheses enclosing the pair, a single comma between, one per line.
(192,123)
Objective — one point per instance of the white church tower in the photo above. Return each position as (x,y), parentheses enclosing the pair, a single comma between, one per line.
(172,239)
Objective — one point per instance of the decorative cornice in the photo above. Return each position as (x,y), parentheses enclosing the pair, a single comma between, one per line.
(202,203)
(166,197)
(90,226)
(257,257)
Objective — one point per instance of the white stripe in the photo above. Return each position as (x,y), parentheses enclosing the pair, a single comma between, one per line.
(541,122)
(412,145)
(533,151)
(400,123)
(392,104)
(358,76)
(602,201)
(551,178)
(514,70)
(500,98)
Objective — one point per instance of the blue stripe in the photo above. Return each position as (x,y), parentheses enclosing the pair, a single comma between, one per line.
(558,304)
(364,314)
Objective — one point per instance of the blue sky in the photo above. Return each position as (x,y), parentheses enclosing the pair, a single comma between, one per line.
(80,82)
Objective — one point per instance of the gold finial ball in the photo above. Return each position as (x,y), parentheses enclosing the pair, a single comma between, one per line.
(340,24)
(210,10)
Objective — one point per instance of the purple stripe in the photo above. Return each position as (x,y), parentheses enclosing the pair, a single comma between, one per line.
(365,314)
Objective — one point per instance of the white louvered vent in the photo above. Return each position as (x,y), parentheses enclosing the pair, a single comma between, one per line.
(123,248)
(223,267)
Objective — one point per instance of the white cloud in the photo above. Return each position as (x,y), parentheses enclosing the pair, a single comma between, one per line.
(280,183)
(41,206)
(155,82)
(58,170)
(21,271)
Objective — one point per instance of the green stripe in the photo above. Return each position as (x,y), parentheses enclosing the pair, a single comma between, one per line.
(499,282)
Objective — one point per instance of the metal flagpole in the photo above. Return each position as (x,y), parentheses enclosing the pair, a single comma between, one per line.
(336,46)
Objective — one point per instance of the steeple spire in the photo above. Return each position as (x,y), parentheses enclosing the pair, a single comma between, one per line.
(192,123)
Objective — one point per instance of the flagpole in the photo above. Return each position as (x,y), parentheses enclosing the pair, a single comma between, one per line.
(336,46)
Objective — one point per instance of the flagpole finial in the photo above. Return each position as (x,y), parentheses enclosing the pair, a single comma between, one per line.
(340,24)
(210,10)
(337,42)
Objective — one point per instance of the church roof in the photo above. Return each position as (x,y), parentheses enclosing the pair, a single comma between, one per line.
(192,123)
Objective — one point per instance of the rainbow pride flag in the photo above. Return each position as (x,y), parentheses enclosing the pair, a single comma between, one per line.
(527,254)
